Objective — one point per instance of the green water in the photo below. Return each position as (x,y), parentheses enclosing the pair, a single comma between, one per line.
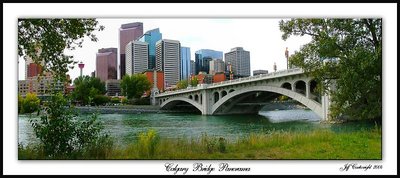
(124,128)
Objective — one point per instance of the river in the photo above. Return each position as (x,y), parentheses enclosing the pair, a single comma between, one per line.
(125,127)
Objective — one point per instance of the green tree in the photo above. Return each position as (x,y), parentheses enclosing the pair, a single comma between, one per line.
(133,86)
(20,102)
(194,82)
(62,136)
(344,52)
(182,84)
(31,103)
(86,88)
(46,39)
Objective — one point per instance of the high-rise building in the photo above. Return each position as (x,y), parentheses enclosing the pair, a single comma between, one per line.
(185,63)
(137,57)
(203,58)
(216,66)
(151,37)
(192,68)
(168,60)
(259,72)
(113,87)
(31,68)
(41,86)
(106,64)
(239,59)
(127,32)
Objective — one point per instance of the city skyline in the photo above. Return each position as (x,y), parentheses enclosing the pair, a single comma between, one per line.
(264,43)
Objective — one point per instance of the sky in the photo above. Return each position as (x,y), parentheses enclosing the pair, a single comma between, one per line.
(260,36)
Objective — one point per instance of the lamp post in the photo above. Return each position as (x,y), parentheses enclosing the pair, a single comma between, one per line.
(287,58)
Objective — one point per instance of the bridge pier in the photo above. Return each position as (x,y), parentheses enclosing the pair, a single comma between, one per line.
(308,89)
(206,103)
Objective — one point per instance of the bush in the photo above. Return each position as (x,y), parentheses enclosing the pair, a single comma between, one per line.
(148,143)
(20,101)
(30,104)
(61,135)
(141,101)
(124,101)
(115,100)
(100,100)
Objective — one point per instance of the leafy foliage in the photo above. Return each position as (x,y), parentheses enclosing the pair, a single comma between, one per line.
(194,81)
(346,54)
(20,101)
(61,135)
(133,86)
(182,84)
(115,100)
(46,39)
(87,88)
(147,142)
(101,100)
(30,103)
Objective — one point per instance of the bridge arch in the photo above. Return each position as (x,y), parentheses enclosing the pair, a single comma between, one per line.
(216,96)
(300,86)
(223,93)
(286,85)
(313,105)
(173,101)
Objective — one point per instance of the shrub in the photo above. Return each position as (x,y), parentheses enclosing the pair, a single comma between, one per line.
(115,100)
(31,103)
(148,143)
(61,135)
(124,101)
(100,100)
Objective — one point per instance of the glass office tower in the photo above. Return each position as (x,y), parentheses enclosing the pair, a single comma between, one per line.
(151,37)
(185,63)
(203,58)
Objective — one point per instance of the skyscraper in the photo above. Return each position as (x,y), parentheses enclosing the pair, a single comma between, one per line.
(239,59)
(137,57)
(216,66)
(168,60)
(151,37)
(106,64)
(203,58)
(31,68)
(192,67)
(127,32)
(185,63)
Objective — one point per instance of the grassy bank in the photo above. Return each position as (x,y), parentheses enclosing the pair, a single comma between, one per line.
(318,144)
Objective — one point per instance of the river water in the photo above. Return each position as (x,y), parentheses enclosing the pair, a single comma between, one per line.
(124,128)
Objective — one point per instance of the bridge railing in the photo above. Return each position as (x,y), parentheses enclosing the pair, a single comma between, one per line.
(203,86)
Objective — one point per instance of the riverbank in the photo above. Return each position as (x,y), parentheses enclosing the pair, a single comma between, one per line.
(121,109)
(319,144)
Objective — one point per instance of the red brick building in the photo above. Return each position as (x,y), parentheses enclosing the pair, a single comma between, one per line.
(219,77)
(160,79)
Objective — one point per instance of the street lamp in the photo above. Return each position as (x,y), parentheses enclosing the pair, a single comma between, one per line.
(287,58)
